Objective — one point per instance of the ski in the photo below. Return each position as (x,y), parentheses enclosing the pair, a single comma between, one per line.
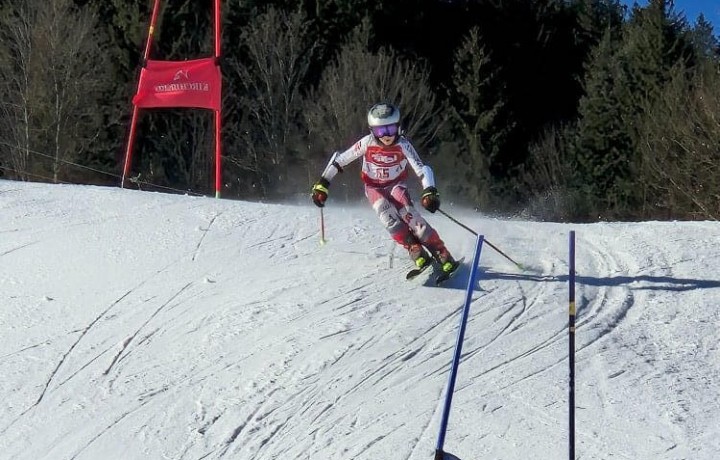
(415,272)
(440,276)
(444,276)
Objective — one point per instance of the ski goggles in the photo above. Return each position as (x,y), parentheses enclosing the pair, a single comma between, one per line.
(385,130)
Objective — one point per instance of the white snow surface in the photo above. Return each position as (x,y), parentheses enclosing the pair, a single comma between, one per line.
(139,325)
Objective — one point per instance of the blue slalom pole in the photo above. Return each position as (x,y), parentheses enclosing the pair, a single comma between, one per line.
(439,454)
(571,348)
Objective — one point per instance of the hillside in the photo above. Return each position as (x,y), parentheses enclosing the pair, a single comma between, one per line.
(141,325)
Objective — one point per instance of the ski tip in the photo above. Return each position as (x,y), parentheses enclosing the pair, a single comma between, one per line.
(530,269)
(414,273)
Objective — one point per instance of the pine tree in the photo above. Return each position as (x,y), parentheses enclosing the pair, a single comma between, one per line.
(704,41)
(603,140)
(478,111)
(621,83)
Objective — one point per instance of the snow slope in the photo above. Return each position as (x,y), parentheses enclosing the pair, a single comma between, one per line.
(140,325)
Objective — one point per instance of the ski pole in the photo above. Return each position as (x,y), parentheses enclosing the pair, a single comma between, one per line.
(518,265)
(322,226)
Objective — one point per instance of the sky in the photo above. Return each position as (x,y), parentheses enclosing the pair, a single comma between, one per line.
(138,325)
(693,8)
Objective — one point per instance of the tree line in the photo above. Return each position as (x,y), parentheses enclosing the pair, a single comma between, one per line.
(574,110)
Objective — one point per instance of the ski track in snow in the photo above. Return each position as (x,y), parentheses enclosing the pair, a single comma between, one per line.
(208,329)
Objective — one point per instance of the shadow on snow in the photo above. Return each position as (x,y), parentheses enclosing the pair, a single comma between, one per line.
(640,282)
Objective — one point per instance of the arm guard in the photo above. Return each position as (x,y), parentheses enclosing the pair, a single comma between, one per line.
(332,168)
(427,178)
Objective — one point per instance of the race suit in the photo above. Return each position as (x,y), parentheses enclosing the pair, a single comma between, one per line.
(384,173)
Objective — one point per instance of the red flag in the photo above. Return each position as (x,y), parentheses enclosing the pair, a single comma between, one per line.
(195,83)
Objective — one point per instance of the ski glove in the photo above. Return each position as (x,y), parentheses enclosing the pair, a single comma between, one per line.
(430,199)
(320,192)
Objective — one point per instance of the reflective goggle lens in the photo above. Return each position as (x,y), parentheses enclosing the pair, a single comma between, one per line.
(386,130)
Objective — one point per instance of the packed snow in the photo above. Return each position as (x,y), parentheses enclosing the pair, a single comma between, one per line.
(140,325)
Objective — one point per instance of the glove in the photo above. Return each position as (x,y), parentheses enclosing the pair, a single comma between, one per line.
(320,192)
(430,199)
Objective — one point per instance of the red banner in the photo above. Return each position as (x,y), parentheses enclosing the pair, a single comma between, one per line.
(195,83)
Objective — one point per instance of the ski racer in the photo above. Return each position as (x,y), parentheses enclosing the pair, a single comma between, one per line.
(386,155)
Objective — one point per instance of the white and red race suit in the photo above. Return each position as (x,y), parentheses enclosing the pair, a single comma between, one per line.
(384,172)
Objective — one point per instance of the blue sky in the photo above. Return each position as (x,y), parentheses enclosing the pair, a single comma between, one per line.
(692,8)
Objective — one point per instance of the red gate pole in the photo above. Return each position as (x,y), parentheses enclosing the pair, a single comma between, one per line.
(146,55)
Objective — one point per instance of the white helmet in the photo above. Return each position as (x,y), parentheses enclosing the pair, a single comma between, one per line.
(383,114)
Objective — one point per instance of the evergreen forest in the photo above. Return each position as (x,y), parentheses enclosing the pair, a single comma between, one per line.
(562,110)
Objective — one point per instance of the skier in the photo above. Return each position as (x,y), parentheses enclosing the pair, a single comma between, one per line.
(386,154)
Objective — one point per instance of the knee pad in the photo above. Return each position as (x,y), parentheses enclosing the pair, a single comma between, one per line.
(417,224)
(388,215)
